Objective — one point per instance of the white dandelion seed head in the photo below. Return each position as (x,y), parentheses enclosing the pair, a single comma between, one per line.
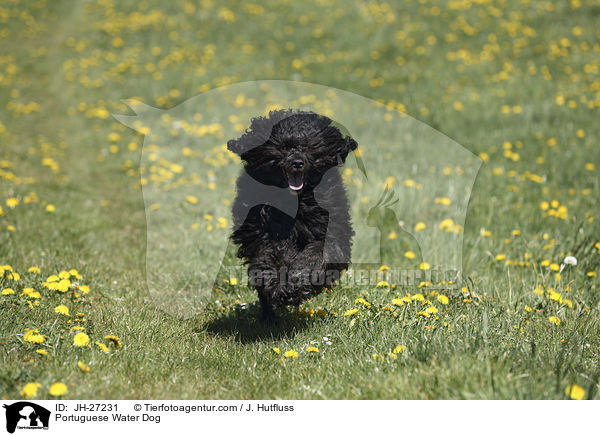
(570,260)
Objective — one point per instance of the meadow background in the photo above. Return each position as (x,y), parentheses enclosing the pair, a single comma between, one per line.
(515,82)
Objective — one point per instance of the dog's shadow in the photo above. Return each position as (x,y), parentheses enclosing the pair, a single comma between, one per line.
(245,325)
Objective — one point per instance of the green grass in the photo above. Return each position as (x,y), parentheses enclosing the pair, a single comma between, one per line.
(492,77)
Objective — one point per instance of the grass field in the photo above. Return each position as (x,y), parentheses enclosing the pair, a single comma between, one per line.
(514,82)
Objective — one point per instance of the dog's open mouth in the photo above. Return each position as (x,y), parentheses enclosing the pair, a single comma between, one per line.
(296,180)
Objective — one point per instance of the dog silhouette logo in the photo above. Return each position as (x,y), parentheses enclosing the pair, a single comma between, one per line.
(26,415)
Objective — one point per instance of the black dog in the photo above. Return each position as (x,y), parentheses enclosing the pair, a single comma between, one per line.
(291,215)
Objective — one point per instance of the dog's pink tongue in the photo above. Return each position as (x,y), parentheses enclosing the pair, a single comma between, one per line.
(295,181)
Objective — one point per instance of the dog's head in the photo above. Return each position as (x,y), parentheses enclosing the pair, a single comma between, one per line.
(291,148)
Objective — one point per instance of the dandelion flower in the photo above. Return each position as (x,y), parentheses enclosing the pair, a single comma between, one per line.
(398,302)
(312,349)
(84,288)
(443,299)
(81,339)
(63,285)
(431,310)
(34,270)
(8,291)
(30,390)
(350,312)
(575,392)
(424,266)
(113,340)
(276,350)
(58,389)
(62,310)
(102,347)
(34,336)
(554,320)
(83,367)
(41,351)
(291,354)
(399,349)
(383,284)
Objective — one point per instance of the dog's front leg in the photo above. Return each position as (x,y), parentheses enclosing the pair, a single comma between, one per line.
(263,276)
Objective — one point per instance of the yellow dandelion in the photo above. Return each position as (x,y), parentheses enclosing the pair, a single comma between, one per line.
(350,312)
(34,270)
(30,390)
(112,339)
(398,302)
(191,199)
(443,299)
(291,354)
(83,367)
(424,266)
(64,285)
(399,349)
(84,288)
(58,389)
(12,202)
(62,310)
(575,392)
(81,339)
(418,297)
(383,284)
(554,320)
(409,255)
(276,350)
(312,349)
(8,291)
(34,336)
(102,347)
(420,226)
(222,223)
(431,310)
(41,351)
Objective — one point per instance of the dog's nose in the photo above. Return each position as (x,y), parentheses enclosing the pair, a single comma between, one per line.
(298,164)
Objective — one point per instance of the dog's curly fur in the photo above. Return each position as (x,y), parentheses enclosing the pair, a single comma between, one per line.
(291,258)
